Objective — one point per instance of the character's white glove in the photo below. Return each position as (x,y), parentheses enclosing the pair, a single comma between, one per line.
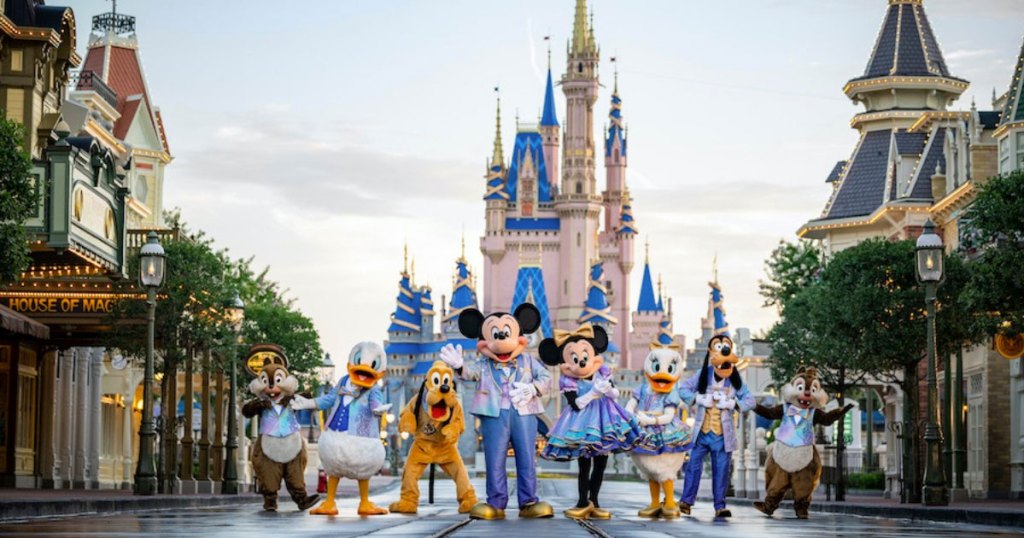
(585,400)
(602,386)
(381,409)
(705,400)
(726,404)
(645,420)
(300,402)
(522,393)
(452,356)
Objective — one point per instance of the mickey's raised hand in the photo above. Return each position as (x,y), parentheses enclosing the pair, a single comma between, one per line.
(452,356)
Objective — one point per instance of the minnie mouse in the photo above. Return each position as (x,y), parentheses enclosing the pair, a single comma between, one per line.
(592,425)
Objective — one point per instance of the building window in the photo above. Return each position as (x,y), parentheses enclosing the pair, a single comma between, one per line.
(15,105)
(1020,151)
(579,187)
(17,60)
(142,189)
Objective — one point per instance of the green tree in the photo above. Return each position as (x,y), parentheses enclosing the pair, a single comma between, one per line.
(18,199)
(790,268)
(995,234)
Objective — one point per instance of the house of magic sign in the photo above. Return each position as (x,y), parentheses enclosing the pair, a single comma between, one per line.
(72,304)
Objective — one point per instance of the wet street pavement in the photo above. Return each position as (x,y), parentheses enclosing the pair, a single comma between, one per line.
(441,519)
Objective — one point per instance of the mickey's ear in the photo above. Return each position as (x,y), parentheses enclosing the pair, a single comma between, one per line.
(600,341)
(528,317)
(549,352)
(471,321)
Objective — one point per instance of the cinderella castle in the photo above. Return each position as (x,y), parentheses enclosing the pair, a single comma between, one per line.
(553,237)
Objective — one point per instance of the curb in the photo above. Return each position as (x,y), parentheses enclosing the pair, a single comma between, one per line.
(951,514)
(13,511)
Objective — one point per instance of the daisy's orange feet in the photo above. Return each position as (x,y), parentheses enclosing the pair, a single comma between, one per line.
(369,509)
(326,508)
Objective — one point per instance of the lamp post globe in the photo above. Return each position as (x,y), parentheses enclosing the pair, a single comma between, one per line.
(929,252)
(234,313)
(152,265)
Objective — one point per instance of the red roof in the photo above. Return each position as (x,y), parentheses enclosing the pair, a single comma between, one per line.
(124,76)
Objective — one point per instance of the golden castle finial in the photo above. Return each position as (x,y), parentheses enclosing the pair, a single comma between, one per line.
(462,256)
(405,257)
(714,268)
(647,250)
(498,158)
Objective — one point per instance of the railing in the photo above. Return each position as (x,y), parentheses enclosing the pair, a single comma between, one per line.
(137,237)
(89,80)
(113,22)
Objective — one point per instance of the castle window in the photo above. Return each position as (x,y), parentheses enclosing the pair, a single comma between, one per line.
(579,67)
(578,238)
(616,155)
(565,287)
(579,187)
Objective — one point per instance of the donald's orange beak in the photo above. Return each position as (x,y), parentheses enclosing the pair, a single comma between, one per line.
(363,375)
(662,382)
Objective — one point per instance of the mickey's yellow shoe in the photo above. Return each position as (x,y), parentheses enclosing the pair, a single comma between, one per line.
(486,511)
(539,509)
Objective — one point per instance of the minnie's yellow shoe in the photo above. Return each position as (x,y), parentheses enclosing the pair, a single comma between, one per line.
(600,513)
(579,513)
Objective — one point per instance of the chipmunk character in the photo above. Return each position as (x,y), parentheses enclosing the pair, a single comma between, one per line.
(350,445)
(718,392)
(793,461)
(280,451)
(592,425)
(435,420)
(507,402)
(665,438)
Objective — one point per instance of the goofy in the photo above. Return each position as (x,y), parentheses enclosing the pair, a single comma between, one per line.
(718,392)
(507,402)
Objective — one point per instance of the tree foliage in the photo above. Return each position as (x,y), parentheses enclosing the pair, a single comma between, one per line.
(995,226)
(790,268)
(866,315)
(18,199)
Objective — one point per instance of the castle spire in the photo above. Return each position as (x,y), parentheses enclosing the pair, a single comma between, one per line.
(498,158)
(549,117)
(580,31)
(648,302)
(496,170)
(616,131)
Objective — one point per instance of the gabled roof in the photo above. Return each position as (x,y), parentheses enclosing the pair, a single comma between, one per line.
(862,188)
(909,143)
(1014,110)
(549,117)
(529,288)
(906,45)
(926,168)
(406,317)
(529,146)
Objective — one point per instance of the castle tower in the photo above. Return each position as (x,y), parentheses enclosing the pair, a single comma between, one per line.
(578,205)
(529,288)
(597,311)
(1008,135)
(492,245)
(549,130)
(646,320)
(614,162)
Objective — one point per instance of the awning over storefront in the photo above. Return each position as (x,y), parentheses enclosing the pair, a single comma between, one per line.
(18,323)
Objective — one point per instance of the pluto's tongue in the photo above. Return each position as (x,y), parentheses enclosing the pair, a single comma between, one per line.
(437,410)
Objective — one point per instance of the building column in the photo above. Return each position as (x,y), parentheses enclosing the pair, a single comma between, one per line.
(1016,433)
(95,417)
(80,419)
(50,464)
(67,422)
(753,463)
(217,448)
(188,482)
(204,485)
(128,435)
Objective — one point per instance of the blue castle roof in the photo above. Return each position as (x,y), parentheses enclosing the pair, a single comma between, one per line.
(529,144)
(496,183)
(549,117)
(647,301)
(596,309)
(406,317)
(616,131)
(626,223)
(463,295)
(718,309)
(664,331)
(530,289)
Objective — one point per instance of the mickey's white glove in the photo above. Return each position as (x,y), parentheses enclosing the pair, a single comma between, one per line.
(645,420)
(381,409)
(299,403)
(522,392)
(705,400)
(726,404)
(452,356)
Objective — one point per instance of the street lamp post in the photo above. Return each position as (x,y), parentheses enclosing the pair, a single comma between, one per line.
(930,273)
(151,276)
(235,312)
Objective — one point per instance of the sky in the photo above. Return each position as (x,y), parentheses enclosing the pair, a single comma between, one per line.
(319,137)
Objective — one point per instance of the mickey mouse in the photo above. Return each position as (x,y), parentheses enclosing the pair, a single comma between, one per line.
(507,402)
(593,425)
